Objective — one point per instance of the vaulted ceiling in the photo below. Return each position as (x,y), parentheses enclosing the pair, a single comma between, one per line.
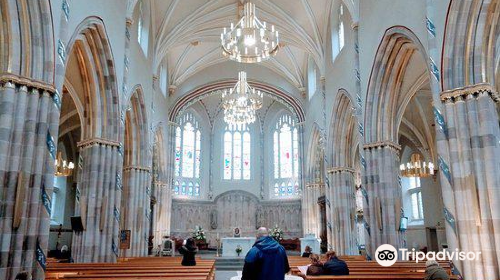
(187,34)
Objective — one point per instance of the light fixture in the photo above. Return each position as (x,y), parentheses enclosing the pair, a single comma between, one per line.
(241,102)
(416,167)
(63,168)
(249,41)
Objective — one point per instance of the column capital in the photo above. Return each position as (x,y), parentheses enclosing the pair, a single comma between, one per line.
(98,141)
(339,169)
(314,185)
(20,81)
(137,168)
(382,144)
(468,92)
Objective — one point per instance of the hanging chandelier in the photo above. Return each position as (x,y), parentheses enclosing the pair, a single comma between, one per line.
(416,167)
(250,40)
(62,167)
(241,102)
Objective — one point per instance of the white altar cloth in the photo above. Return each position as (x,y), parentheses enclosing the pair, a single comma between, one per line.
(229,245)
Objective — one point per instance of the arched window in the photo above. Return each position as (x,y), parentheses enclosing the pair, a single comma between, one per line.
(337,32)
(341,28)
(163,80)
(311,78)
(237,153)
(187,156)
(286,157)
(412,200)
(142,29)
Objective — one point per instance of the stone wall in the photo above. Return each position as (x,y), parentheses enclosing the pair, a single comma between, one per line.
(235,209)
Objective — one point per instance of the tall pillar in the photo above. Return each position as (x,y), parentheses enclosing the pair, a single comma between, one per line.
(162,211)
(136,209)
(29,118)
(473,137)
(384,193)
(310,208)
(341,203)
(98,200)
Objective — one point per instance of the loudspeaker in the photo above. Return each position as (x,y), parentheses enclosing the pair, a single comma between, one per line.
(76,223)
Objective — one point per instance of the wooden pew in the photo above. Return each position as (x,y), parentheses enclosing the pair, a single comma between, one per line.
(134,268)
(371,270)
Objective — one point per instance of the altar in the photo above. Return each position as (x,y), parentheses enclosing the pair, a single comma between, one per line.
(229,245)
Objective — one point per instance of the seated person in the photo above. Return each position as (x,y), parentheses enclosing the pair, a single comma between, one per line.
(315,268)
(188,252)
(435,272)
(307,252)
(334,266)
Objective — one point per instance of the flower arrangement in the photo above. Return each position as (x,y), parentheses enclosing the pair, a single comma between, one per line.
(199,234)
(238,250)
(276,233)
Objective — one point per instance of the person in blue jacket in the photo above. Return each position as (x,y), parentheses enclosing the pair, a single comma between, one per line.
(334,266)
(266,260)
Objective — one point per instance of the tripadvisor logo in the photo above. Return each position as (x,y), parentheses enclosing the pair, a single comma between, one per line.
(387,255)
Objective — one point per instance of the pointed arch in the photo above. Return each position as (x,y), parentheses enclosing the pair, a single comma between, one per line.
(343,135)
(27,40)
(471,45)
(136,130)
(383,97)
(90,45)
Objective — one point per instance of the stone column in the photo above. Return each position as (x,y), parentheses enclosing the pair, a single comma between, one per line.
(310,208)
(473,136)
(162,211)
(98,200)
(384,193)
(135,208)
(29,118)
(341,207)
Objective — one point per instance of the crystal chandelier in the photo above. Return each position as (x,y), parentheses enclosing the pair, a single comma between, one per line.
(63,168)
(241,102)
(416,167)
(250,40)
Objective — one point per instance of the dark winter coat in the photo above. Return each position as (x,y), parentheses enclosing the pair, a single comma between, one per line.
(188,255)
(266,260)
(335,267)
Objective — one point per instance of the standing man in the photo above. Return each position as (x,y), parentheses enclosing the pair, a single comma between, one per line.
(266,260)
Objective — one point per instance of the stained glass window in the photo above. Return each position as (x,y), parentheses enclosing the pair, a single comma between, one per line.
(228,155)
(286,157)
(341,28)
(237,153)
(246,155)
(187,156)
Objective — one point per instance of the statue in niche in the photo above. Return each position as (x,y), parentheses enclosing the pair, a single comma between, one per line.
(213,219)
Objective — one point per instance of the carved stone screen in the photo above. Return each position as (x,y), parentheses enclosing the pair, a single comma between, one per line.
(235,209)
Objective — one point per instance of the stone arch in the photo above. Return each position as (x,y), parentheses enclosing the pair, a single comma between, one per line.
(315,143)
(27,37)
(383,99)
(343,136)
(90,45)
(136,130)
(471,47)
(137,191)
(343,142)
